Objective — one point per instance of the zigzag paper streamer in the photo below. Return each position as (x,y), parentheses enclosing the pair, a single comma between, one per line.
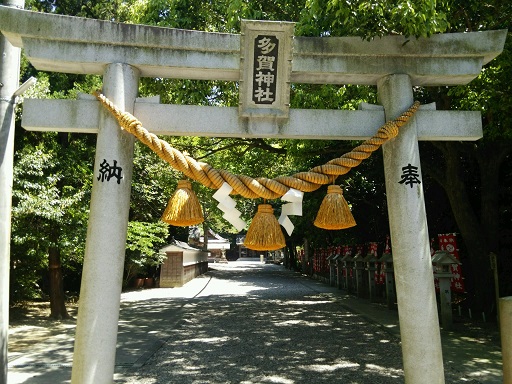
(293,208)
(227,205)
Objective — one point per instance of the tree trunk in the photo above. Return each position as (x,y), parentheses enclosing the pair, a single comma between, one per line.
(286,260)
(479,235)
(206,235)
(490,158)
(292,256)
(306,262)
(57,298)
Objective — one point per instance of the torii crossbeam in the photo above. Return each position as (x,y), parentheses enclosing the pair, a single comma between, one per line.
(122,53)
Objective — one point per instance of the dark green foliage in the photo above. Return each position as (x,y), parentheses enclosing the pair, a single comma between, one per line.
(50,194)
(369,19)
(142,243)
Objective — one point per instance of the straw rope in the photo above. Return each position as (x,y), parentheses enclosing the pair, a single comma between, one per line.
(260,187)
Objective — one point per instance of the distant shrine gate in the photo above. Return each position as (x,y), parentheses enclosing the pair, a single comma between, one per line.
(265,59)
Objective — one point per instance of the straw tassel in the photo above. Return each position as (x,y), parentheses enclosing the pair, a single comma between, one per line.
(334,212)
(183,208)
(265,233)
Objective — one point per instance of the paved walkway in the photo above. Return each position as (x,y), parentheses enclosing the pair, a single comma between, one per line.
(247,322)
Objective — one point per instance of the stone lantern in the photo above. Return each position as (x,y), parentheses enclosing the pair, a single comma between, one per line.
(359,272)
(332,269)
(348,263)
(387,259)
(339,270)
(371,268)
(443,261)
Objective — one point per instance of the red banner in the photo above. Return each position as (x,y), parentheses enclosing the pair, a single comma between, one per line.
(372,250)
(382,274)
(315,260)
(448,242)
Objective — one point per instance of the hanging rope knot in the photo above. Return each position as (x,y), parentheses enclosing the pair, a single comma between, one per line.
(249,187)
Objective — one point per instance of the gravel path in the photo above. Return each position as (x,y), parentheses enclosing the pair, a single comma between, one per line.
(264,324)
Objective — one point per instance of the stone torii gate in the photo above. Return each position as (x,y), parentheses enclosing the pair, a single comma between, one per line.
(123,53)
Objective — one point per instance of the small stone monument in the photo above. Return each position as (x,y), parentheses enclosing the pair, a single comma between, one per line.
(223,259)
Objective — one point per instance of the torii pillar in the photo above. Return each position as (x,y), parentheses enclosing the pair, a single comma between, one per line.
(9,79)
(63,44)
(98,313)
(416,300)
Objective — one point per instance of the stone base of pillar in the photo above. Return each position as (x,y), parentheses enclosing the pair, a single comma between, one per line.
(505,306)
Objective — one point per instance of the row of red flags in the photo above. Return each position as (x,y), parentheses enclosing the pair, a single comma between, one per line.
(446,242)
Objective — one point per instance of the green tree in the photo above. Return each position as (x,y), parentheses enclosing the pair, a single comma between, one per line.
(472,174)
(53,174)
(142,242)
(49,194)
(370,19)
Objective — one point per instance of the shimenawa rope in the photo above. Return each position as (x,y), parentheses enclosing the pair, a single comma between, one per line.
(261,187)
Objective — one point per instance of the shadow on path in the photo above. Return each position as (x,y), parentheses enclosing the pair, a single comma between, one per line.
(252,323)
